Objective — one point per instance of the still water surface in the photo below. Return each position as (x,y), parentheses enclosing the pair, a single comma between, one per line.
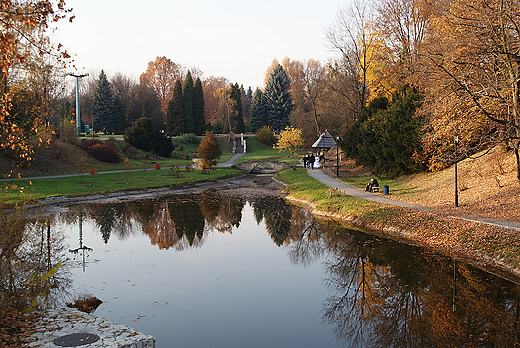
(226,270)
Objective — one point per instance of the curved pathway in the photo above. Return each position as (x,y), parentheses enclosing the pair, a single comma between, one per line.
(356,192)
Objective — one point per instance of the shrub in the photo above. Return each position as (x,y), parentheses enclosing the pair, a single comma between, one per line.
(265,136)
(101,151)
(161,144)
(189,138)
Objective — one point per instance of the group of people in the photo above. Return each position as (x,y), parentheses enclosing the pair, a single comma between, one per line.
(311,161)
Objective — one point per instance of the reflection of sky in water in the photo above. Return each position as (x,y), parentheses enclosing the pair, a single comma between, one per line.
(239,289)
(235,290)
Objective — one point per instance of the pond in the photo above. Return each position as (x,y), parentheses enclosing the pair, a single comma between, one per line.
(229,267)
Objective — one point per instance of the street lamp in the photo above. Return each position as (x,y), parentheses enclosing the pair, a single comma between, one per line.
(456,188)
(337,157)
(78,114)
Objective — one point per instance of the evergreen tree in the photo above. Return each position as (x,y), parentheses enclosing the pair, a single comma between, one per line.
(258,112)
(102,104)
(139,134)
(249,94)
(236,95)
(278,97)
(387,135)
(199,120)
(187,103)
(175,112)
(118,116)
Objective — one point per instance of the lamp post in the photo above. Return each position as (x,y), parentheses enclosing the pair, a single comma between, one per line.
(78,114)
(456,188)
(337,157)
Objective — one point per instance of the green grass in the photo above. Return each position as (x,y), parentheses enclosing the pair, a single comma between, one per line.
(258,151)
(302,186)
(73,186)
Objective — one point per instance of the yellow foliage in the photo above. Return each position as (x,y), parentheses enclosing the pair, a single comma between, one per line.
(290,138)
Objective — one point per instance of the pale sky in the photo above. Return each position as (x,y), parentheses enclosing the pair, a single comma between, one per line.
(234,39)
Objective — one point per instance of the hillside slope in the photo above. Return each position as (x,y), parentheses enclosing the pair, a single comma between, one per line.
(488,187)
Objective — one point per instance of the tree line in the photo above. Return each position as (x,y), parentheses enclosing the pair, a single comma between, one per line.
(456,60)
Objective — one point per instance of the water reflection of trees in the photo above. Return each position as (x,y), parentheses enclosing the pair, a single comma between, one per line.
(276,214)
(385,294)
(29,251)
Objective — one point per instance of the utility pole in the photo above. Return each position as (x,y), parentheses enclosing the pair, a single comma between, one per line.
(456,179)
(78,113)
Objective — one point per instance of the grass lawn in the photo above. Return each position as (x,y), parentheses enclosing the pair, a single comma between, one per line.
(258,151)
(86,185)
(302,186)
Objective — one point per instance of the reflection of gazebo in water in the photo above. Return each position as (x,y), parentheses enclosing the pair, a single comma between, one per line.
(83,248)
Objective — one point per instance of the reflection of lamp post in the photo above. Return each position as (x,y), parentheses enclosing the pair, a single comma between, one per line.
(84,249)
(456,188)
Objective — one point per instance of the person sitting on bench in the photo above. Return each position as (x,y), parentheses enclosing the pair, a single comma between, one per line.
(372,185)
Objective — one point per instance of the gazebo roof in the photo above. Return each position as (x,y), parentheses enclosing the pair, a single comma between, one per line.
(325,141)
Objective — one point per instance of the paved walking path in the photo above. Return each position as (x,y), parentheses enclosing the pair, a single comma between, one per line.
(230,161)
(350,190)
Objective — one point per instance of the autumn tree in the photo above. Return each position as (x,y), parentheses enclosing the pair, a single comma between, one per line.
(472,58)
(161,75)
(24,38)
(209,149)
(310,92)
(226,109)
(211,101)
(351,37)
(290,138)
(278,98)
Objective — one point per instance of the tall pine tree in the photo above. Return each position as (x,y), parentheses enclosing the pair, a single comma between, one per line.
(236,95)
(199,120)
(118,116)
(258,111)
(175,112)
(102,105)
(187,103)
(278,97)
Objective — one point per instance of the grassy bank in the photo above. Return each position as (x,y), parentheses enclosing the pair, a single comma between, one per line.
(486,246)
(31,190)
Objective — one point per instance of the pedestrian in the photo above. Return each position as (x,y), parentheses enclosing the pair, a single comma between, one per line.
(311,161)
(305,160)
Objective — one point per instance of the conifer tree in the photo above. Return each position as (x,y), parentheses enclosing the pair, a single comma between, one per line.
(278,97)
(175,112)
(236,95)
(187,103)
(199,120)
(102,104)
(258,111)
(118,116)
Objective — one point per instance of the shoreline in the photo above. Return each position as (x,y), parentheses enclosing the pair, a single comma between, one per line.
(451,245)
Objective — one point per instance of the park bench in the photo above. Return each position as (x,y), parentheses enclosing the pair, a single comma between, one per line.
(374,189)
